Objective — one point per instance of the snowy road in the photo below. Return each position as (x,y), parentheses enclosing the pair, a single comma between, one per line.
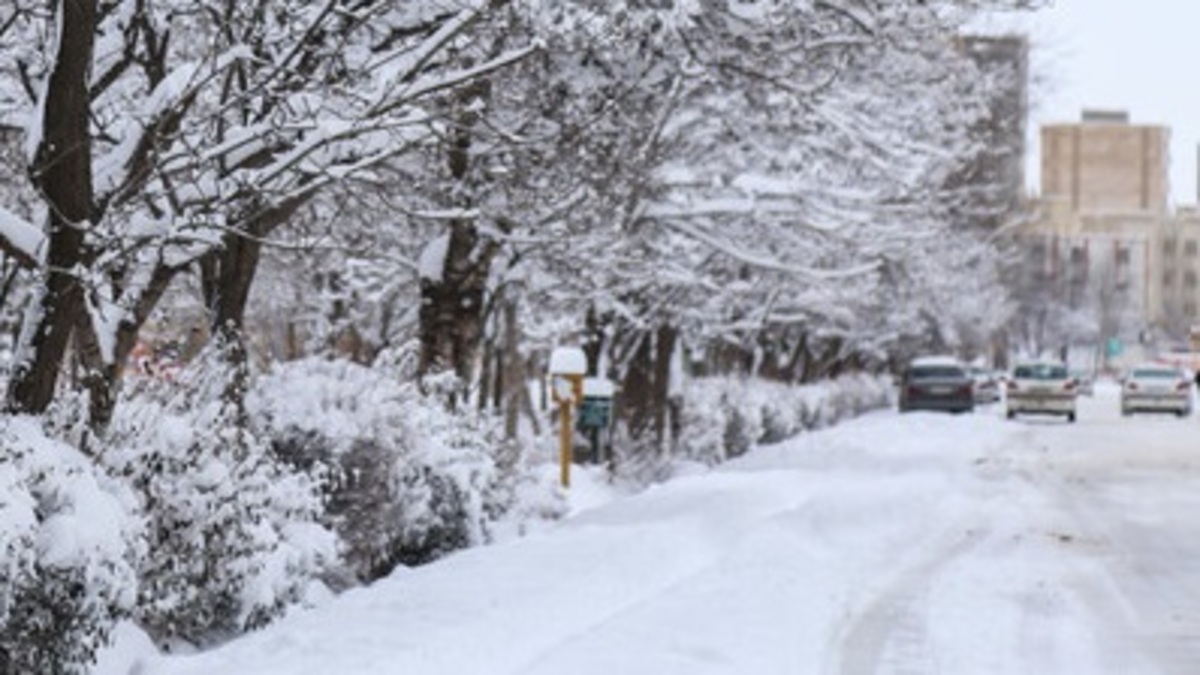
(913,544)
(1086,564)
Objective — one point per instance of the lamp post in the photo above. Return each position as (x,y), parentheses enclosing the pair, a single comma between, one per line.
(568,365)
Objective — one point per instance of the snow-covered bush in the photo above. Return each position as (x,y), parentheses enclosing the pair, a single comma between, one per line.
(405,480)
(726,416)
(233,532)
(68,537)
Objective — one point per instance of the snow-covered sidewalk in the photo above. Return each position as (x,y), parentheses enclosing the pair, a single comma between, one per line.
(908,544)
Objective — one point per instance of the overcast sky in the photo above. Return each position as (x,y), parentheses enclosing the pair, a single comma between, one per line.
(1143,57)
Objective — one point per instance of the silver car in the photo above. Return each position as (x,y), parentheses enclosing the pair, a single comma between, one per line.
(1041,388)
(1155,387)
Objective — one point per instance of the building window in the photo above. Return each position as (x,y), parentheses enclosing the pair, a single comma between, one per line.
(1189,278)
(1168,278)
(1168,247)
(1189,308)
(1189,248)
(1122,255)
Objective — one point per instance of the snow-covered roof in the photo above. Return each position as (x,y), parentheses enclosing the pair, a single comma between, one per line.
(1040,362)
(936,361)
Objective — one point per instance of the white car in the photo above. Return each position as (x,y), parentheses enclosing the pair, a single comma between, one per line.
(986,387)
(1086,381)
(1155,387)
(1041,388)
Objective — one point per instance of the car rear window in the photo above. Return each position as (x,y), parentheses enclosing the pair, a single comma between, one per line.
(1040,372)
(1155,374)
(935,372)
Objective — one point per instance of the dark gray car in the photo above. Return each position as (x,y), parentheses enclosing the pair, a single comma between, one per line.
(936,384)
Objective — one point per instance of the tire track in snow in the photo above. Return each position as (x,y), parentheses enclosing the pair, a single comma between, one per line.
(890,635)
(1152,598)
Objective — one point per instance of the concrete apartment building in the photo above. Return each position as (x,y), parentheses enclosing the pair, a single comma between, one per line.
(1105,164)
(1105,233)
(1176,261)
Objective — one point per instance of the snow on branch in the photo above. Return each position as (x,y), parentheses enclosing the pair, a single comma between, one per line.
(763,262)
(21,239)
(430,85)
(121,168)
(405,66)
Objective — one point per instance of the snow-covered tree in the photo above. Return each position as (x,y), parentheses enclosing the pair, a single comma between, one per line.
(778,169)
(154,151)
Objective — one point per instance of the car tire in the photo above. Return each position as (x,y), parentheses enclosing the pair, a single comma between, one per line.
(1010,414)
(1071,417)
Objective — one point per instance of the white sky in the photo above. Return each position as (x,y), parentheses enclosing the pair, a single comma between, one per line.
(1136,56)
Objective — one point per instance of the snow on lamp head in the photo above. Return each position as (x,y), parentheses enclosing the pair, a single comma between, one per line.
(568,365)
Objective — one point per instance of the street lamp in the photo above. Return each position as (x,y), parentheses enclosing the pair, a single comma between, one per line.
(568,365)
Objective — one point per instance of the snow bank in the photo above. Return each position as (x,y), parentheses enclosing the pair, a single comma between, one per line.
(235,536)
(67,540)
(723,417)
(405,481)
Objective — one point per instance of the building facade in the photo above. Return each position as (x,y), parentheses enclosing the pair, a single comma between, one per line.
(1176,262)
(1105,243)
(1104,164)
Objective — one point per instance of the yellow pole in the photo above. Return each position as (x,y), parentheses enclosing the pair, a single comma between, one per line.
(564,442)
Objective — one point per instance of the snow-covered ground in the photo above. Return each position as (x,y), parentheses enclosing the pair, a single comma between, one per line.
(890,544)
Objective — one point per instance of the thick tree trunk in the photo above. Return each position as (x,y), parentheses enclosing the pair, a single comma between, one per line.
(637,390)
(451,315)
(645,403)
(513,372)
(101,378)
(62,171)
(227,275)
(665,415)
(452,306)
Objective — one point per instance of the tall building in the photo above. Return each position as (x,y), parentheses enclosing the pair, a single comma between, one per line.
(1105,164)
(1177,271)
(1096,245)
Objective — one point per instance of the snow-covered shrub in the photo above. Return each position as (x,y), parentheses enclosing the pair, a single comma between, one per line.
(726,416)
(405,480)
(68,538)
(233,532)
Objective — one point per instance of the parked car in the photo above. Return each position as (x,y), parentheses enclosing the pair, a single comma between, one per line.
(936,383)
(1085,381)
(1154,387)
(986,385)
(1041,388)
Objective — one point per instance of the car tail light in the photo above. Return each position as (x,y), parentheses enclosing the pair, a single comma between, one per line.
(1012,385)
(1183,385)
(1070,385)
